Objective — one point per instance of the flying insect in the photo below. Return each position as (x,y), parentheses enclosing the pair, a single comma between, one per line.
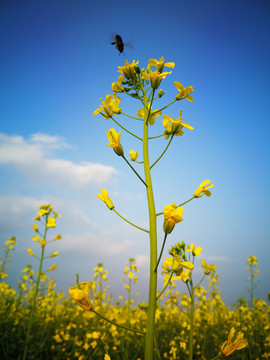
(119,44)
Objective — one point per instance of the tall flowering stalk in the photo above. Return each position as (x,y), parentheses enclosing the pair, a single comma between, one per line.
(47,217)
(143,85)
(252,264)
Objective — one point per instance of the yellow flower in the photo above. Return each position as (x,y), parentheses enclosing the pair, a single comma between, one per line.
(10,241)
(58,237)
(53,267)
(105,198)
(114,140)
(128,69)
(133,155)
(229,346)
(110,107)
(80,295)
(252,260)
(51,222)
(3,275)
(183,92)
(172,215)
(151,117)
(208,268)
(160,64)
(43,243)
(116,86)
(176,265)
(36,238)
(174,126)
(155,77)
(202,189)
(35,227)
(30,251)
(54,254)
(106,357)
(195,250)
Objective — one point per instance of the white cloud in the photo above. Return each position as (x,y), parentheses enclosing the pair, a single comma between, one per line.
(17,213)
(219,258)
(32,158)
(101,245)
(142,261)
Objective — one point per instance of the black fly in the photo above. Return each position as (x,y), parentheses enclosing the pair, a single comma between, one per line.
(119,44)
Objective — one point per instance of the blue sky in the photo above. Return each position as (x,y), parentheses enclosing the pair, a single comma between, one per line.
(56,63)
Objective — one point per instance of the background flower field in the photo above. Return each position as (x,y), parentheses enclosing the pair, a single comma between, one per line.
(63,330)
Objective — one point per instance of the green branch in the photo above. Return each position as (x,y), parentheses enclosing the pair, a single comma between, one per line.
(163,152)
(114,323)
(165,287)
(129,132)
(133,170)
(164,241)
(132,117)
(130,222)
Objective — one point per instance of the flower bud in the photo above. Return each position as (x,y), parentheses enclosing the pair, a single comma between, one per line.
(161,93)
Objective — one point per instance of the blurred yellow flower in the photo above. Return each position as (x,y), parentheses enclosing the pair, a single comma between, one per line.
(105,198)
(176,265)
(133,155)
(54,254)
(53,267)
(229,346)
(80,295)
(51,222)
(195,250)
(172,215)
(202,189)
(57,237)
(35,227)
(30,251)
(208,268)
(183,92)
(106,357)
(252,260)
(43,243)
(151,117)
(114,140)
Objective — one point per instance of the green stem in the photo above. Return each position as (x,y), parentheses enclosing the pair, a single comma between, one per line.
(150,324)
(155,137)
(129,132)
(162,248)
(132,117)
(165,106)
(191,319)
(200,281)
(251,286)
(129,221)
(35,296)
(165,287)
(133,169)
(163,152)
(217,357)
(193,197)
(114,323)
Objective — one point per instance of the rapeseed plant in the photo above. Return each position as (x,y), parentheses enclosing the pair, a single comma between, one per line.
(45,217)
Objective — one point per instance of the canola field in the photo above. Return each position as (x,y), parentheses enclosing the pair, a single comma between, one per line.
(60,329)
